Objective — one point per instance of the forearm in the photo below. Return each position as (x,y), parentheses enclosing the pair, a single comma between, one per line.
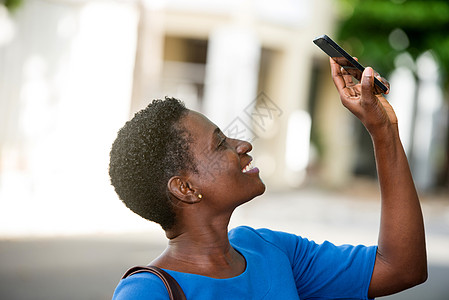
(401,259)
(401,244)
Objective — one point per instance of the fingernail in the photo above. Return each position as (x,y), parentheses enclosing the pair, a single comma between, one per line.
(369,72)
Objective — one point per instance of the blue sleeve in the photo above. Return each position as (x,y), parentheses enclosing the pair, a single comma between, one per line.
(326,271)
(141,286)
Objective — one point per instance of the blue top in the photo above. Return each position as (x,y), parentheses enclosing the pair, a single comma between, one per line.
(278,266)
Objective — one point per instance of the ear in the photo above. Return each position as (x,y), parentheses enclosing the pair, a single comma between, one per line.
(182,190)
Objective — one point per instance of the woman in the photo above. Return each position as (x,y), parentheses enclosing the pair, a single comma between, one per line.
(159,168)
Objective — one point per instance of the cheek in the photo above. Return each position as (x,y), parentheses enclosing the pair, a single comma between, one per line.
(218,166)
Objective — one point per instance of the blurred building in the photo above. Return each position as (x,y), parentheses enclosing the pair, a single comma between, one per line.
(72,72)
(247,65)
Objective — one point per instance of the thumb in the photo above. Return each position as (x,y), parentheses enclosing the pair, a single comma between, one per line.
(367,84)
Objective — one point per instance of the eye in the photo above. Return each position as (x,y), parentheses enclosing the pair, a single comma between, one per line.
(222,142)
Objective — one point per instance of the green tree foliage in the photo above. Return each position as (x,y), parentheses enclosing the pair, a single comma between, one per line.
(11,5)
(378,30)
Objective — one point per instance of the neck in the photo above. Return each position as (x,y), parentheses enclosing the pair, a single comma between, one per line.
(204,238)
(202,248)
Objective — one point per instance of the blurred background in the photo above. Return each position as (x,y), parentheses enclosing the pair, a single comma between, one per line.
(73,71)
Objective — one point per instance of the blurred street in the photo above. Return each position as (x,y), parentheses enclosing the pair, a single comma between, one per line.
(89,267)
(68,82)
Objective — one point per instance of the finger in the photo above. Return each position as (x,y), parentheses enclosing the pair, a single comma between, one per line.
(337,77)
(367,86)
(347,77)
(342,61)
(348,66)
(385,82)
(354,71)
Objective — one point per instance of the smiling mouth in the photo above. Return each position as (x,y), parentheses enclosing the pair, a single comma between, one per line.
(249,168)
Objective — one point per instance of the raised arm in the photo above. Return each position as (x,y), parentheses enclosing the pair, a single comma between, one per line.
(401,256)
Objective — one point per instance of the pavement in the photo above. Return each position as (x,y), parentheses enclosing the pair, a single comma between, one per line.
(90,266)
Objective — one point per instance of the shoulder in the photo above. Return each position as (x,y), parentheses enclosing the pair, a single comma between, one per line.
(247,230)
(286,242)
(140,286)
(265,234)
(245,233)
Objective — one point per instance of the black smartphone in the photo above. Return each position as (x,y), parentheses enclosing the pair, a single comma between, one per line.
(343,58)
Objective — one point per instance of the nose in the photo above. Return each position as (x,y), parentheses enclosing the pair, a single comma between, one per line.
(243,147)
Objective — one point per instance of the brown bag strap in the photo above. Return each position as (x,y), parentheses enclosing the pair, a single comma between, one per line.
(174,289)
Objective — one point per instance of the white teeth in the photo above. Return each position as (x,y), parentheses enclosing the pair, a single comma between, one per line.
(247,167)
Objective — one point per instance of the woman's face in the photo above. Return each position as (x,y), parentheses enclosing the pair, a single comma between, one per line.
(225,177)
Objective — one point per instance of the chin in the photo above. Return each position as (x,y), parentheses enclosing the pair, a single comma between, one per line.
(263,185)
(261,189)
(257,192)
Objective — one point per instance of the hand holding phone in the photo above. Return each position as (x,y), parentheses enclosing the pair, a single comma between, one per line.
(345,60)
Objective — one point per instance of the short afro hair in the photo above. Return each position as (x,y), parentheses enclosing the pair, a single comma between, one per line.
(148,150)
